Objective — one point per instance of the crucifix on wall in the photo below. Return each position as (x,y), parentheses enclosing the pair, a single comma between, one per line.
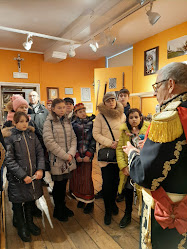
(19,59)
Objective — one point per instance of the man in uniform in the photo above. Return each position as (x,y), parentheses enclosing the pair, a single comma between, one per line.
(161,166)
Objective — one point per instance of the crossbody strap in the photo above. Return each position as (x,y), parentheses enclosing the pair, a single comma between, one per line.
(109,127)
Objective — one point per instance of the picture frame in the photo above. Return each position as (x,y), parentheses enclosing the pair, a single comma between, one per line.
(151,58)
(177,47)
(52,92)
(68,90)
(85,94)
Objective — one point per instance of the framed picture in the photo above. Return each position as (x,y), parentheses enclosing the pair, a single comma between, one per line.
(85,94)
(151,61)
(68,90)
(52,92)
(177,47)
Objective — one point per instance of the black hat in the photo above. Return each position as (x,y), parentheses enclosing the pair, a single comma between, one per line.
(69,100)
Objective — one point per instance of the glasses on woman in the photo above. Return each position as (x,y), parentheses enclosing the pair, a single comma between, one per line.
(158,84)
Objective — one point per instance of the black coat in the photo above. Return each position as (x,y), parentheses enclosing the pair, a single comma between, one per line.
(23,158)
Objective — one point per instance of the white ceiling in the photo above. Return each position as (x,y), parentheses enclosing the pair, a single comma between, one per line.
(80,20)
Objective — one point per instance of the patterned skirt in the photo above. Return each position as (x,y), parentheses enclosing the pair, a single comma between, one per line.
(81,184)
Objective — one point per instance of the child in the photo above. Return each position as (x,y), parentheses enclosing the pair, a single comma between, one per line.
(25,164)
(61,142)
(81,183)
(133,130)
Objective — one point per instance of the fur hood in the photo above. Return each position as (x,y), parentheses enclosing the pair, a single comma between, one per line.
(113,113)
(8,131)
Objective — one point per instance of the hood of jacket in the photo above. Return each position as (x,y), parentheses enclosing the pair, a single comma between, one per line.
(8,131)
(85,120)
(113,113)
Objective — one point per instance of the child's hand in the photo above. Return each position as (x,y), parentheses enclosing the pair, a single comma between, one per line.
(86,159)
(128,147)
(70,158)
(125,171)
(27,179)
(79,159)
(39,174)
(114,145)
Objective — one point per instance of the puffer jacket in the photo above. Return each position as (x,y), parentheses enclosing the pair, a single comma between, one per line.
(23,158)
(60,140)
(122,158)
(101,132)
(85,142)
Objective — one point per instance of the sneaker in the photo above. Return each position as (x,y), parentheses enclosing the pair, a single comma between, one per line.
(89,208)
(107,219)
(99,195)
(80,204)
(125,221)
(120,197)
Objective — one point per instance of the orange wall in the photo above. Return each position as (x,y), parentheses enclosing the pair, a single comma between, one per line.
(103,75)
(71,72)
(143,83)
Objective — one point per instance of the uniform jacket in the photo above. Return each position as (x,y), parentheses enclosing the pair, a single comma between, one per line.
(60,140)
(85,142)
(38,114)
(23,158)
(101,132)
(122,158)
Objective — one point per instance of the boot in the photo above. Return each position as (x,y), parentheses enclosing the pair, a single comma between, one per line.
(107,218)
(68,212)
(125,221)
(59,213)
(29,219)
(19,219)
(89,208)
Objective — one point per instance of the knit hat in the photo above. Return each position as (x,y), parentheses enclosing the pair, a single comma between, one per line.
(17,101)
(70,100)
(49,101)
(79,106)
(108,96)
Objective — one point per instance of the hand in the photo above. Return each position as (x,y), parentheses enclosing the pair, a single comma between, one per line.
(135,131)
(86,159)
(129,147)
(70,158)
(27,179)
(79,159)
(39,174)
(114,145)
(125,171)
(141,144)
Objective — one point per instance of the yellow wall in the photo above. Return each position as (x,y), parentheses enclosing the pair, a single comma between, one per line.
(71,72)
(143,83)
(103,75)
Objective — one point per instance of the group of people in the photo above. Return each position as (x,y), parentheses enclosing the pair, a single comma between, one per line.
(132,153)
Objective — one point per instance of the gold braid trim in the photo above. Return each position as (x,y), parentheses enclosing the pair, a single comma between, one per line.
(167,165)
(183,241)
(2,154)
(165,127)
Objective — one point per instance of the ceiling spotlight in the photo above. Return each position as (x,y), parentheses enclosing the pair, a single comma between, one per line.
(94,46)
(153,16)
(71,51)
(28,44)
(110,39)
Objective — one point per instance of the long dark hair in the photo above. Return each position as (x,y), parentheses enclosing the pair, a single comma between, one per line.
(140,114)
(54,103)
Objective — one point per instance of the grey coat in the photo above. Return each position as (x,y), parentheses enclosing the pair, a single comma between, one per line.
(60,140)
(23,158)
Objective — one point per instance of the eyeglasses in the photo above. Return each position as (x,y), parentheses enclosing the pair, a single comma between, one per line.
(156,86)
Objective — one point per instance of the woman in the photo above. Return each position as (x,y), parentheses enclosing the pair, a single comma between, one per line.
(113,112)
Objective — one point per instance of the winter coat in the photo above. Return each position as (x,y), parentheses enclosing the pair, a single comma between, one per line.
(122,158)
(39,114)
(101,132)
(60,140)
(85,142)
(127,108)
(23,158)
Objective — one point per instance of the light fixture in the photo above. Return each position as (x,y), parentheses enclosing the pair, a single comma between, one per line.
(28,44)
(71,52)
(110,39)
(94,46)
(153,16)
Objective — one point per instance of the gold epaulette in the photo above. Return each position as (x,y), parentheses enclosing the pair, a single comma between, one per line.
(166,125)
(2,154)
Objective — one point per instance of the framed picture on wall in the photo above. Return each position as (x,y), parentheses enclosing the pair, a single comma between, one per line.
(151,61)
(52,92)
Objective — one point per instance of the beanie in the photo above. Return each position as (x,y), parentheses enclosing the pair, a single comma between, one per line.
(79,106)
(17,101)
(108,96)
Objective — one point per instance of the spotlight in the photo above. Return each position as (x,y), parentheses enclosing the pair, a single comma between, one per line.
(110,39)
(94,46)
(71,51)
(28,44)
(153,16)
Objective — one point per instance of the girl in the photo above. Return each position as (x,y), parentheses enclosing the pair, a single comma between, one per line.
(81,184)
(61,142)
(25,164)
(113,112)
(133,130)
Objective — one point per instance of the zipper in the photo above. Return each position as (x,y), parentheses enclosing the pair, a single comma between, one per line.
(30,163)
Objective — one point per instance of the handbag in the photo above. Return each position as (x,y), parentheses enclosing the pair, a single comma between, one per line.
(107,154)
